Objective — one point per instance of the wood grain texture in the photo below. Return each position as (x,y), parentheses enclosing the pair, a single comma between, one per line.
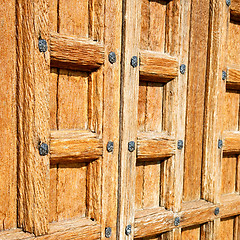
(195,99)
(33,72)
(79,229)
(128,116)
(155,146)
(8,140)
(159,67)
(235,10)
(74,146)
(74,53)
(231,142)
(233,79)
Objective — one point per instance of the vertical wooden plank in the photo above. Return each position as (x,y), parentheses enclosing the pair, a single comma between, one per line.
(214,100)
(157,25)
(128,116)
(33,71)
(53,193)
(139,185)
(142,106)
(111,106)
(145,24)
(8,159)
(192,233)
(226,229)
(174,108)
(195,100)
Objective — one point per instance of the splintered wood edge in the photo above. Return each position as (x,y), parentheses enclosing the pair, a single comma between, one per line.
(75,146)
(235,10)
(233,78)
(74,53)
(155,146)
(81,228)
(158,67)
(150,222)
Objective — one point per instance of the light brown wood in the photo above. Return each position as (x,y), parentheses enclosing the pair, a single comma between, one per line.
(8,129)
(78,229)
(155,66)
(33,71)
(155,146)
(231,142)
(195,100)
(235,10)
(74,146)
(128,116)
(74,53)
(233,78)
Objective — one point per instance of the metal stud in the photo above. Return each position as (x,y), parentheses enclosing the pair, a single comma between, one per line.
(110,146)
(220,143)
(112,57)
(228,2)
(180,144)
(182,68)
(42,45)
(177,221)
(134,61)
(224,75)
(131,146)
(43,149)
(108,232)
(216,211)
(128,230)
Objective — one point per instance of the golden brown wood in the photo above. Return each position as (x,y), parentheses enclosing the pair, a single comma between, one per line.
(231,142)
(128,123)
(195,99)
(158,67)
(155,146)
(33,71)
(74,53)
(74,146)
(79,229)
(8,140)
(233,78)
(235,10)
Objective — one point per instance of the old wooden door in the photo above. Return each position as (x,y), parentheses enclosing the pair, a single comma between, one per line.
(121,119)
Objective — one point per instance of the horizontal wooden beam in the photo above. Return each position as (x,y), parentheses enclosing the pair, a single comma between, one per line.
(233,78)
(151,222)
(74,53)
(155,146)
(148,222)
(80,229)
(74,145)
(235,10)
(158,67)
(231,143)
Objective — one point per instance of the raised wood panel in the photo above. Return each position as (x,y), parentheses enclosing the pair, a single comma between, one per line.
(74,53)
(231,143)
(76,146)
(233,78)
(158,67)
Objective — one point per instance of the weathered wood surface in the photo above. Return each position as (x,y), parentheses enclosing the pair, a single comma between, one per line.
(76,146)
(155,146)
(233,78)
(33,72)
(155,66)
(75,53)
(79,229)
(8,129)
